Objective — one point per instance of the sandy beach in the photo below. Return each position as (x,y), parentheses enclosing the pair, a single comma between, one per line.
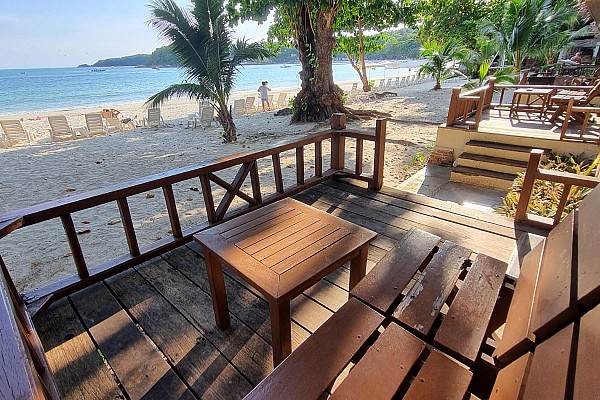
(39,254)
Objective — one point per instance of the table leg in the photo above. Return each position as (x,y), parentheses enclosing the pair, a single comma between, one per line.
(281,330)
(358,266)
(217,289)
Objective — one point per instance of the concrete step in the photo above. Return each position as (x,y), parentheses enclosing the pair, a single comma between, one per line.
(500,150)
(482,177)
(497,164)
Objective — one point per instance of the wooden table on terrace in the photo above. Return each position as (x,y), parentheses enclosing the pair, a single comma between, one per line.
(281,249)
(531,96)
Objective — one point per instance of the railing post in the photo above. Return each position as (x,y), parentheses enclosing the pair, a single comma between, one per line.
(535,157)
(338,142)
(454,99)
(490,91)
(378,159)
(480,104)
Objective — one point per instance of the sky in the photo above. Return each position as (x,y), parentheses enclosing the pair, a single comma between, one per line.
(66,33)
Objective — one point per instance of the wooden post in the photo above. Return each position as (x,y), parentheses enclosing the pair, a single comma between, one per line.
(380,131)
(78,257)
(338,143)
(490,91)
(134,248)
(454,100)
(300,165)
(480,104)
(172,210)
(535,157)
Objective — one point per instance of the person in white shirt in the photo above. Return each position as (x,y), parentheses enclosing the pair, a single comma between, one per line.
(264,90)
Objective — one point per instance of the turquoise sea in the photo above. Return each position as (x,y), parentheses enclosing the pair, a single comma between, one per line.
(52,89)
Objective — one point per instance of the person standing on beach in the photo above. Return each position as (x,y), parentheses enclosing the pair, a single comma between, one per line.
(264,90)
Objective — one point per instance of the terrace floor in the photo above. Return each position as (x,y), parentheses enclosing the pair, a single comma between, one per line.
(149,332)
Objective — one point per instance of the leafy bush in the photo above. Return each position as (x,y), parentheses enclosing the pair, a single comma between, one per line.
(546,195)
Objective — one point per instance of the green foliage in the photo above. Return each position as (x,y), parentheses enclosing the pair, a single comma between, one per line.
(418,160)
(478,63)
(128,61)
(441,60)
(162,56)
(546,195)
(204,46)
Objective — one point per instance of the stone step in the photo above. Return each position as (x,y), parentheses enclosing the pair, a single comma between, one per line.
(482,177)
(500,150)
(497,164)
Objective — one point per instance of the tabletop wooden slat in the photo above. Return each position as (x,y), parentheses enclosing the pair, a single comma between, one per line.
(283,240)
(249,221)
(261,239)
(420,307)
(265,227)
(587,384)
(511,380)
(384,283)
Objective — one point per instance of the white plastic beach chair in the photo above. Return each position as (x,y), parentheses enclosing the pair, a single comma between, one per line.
(14,134)
(388,85)
(95,125)
(193,120)
(381,84)
(154,118)
(397,83)
(207,116)
(61,130)
(250,106)
(239,107)
(281,100)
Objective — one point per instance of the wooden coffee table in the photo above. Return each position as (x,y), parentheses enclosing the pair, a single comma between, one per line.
(535,100)
(281,249)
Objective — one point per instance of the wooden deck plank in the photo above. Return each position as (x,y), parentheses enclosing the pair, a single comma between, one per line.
(72,356)
(246,350)
(139,366)
(587,384)
(479,240)
(208,373)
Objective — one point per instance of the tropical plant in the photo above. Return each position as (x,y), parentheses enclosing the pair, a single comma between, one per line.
(478,64)
(204,46)
(531,28)
(545,195)
(442,60)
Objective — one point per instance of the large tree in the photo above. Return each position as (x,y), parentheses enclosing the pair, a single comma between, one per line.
(205,48)
(354,17)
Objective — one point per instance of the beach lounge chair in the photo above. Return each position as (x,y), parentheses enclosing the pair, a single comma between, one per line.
(95,125)
(281,100)
(61,130)
(207,116)
(250,106)
(397,83)
(14,134)
(154,118)
(389,84)
(239,107)
(580,99)
(193,120)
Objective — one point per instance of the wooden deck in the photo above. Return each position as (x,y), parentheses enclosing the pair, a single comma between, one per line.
(150,332)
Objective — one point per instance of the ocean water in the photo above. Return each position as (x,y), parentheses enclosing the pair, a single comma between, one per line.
(55,89)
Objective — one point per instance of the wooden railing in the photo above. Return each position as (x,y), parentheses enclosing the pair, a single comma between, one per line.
(206,174)
(534,172)
(468,104)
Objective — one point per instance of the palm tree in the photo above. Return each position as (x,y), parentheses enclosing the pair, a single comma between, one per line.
(479,62)
(211,59)
(441,60)
(531,28)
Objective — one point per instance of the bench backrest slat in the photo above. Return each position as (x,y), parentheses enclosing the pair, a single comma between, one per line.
(588,223)
(510,383)
(421,306)
(466,322)
(555,301)
(518,337)
(381,286)
(587,384)
(548,376)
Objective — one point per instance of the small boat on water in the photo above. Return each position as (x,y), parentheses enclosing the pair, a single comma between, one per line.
(97,70)
(286,66)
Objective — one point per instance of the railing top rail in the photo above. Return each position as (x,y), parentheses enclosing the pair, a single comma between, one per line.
(475,91)
(559,87)
(55,208)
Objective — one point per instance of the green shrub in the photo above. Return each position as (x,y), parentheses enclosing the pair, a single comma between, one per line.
(546,195)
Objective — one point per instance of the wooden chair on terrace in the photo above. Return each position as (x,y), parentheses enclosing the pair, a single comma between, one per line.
(14,133)
(581,135)
(580,99)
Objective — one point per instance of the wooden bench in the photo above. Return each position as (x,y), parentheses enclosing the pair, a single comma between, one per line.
(428,318)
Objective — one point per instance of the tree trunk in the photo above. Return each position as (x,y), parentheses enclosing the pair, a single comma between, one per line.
(317,99)
(229,128)
(365,79)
